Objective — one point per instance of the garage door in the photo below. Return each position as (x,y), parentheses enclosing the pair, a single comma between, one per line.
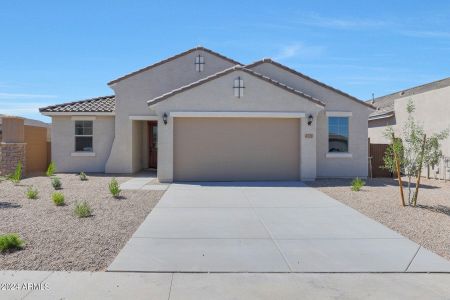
(236,149)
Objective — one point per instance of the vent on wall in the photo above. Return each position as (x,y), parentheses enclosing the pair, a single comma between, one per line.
(199,63)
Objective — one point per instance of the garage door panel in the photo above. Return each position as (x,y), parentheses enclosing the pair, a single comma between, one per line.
(235,149)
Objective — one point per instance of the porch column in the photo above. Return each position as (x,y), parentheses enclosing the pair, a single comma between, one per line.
(308,139)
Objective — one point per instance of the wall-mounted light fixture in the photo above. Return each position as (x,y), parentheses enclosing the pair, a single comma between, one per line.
(239,87)
(310,119)
(165,117)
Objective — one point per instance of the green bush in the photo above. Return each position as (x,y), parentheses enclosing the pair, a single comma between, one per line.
(56,183)
(82,210)
(58,198)
(10,242)
(83,176)
(357,184)
(17,175)
(114,188)
(32,193)
(51,169)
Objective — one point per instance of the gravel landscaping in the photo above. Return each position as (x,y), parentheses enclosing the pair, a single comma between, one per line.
(428,224)
(56,239)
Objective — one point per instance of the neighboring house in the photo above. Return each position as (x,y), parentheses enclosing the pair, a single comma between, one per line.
(202,116)
(432,110)
(24,140)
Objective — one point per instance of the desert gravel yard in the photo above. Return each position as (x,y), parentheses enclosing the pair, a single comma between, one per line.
(58,240)
(428,224)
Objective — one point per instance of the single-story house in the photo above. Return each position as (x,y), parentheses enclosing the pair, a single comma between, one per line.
(201,116)
(432,111)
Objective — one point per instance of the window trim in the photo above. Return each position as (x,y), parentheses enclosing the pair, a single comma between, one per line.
(347,154)
(83,153)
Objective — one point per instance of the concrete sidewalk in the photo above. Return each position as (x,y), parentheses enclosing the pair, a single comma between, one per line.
(266,227)
(108,285)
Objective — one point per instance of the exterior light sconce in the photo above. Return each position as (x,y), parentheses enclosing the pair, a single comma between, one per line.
(239,87)
(310,119)
(165,117)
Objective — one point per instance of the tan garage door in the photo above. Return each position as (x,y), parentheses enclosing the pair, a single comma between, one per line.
(234,149)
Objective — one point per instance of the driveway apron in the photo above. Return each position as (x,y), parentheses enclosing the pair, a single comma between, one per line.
(265,227)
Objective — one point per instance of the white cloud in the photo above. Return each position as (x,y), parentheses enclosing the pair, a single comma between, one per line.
(340,23)
(299,50)
(25,96)
(426,33)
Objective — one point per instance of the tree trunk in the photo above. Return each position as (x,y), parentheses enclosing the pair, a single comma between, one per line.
(399,176)
(419,171)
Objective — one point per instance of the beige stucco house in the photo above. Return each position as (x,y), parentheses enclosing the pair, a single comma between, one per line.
(432,110)
(202,116)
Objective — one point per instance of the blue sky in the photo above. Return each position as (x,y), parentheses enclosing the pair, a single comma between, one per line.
(59,51)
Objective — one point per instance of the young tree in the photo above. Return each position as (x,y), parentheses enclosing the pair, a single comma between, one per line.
(413,150)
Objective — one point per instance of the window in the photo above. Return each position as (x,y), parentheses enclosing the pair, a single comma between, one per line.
(83,136)
(338,134)
(238,87)
(199,63)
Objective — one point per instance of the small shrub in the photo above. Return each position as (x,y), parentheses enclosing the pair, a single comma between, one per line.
(56,183)
(83,176)
(114,188)
(17,175)
(357,184)
(10,242)
(32,193)
(51,169)
(82,210)
(58,198)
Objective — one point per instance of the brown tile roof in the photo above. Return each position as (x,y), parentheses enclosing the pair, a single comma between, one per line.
(227,71)
(172,58)
(268,60)
(98,104)
(385,104)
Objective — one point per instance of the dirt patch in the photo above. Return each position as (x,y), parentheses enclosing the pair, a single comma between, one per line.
(55,238)
(428,224)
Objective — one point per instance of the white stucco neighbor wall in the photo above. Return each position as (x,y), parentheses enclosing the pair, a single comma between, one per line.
(218,96)
(133,92)
(63,144)
(431,111)
(377,129)
(357,165)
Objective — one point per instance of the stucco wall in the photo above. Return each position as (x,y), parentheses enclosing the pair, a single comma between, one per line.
(63,145)
(358,133)
(218,95)
(133,92)
(377,129)
(431,110)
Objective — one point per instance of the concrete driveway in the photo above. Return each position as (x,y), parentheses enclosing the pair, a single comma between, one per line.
(266,227)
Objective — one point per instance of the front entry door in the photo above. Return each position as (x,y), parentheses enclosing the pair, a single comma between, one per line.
(152,144)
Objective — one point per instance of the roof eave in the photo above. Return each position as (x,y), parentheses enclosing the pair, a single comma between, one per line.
(112,82)
(286,68)
(91,113)
(382,116)
(230,70)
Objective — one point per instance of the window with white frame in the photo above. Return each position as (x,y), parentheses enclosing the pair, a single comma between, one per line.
(338,134)
(199,63)
(83,136)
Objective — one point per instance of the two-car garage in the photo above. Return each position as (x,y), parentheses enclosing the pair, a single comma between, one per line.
(236,149)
